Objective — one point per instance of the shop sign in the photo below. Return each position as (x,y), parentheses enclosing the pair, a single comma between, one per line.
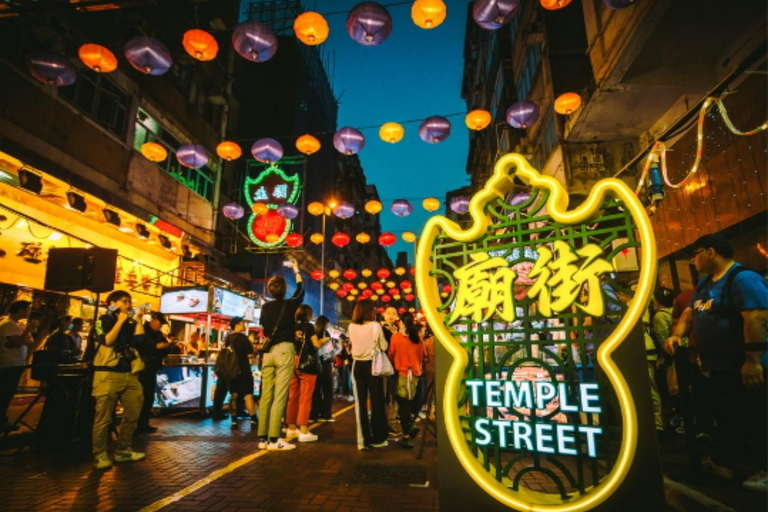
(536,409)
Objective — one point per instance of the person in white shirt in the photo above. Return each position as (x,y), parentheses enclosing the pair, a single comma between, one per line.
(15,342)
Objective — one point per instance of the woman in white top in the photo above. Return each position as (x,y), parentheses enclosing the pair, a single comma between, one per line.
(365,335)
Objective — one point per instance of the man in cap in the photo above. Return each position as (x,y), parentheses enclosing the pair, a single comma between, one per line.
(153,349)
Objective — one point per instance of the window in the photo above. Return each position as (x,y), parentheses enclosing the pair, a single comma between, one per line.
(528,71)
(547,138)
(200,181)
(100,99)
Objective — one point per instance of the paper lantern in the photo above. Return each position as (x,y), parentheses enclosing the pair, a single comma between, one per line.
(387,239)
(401,208)
(478,119)
(316,238)
(340,239)
(98,58)
(382,273)
(412,271)
(567,103)
(254,41)
(460,204)
(229,150)
(405,285)
(308,144)
(154,152)
(192,156)
(259,208)
(394,291)
(317,275)
(428,14)
(366,293)
(363,238)
(349,274)
(333,273)
(493,14)
(522,114)
(200,45)
(386,298)
(267,150)
(233,211)
(341,294)
(351,297)
(434,129)
(400,271)
(294,240)
(390,284)
(391,132)
(348,141)
(148,55)
(362,285)
(369,24)
(334,286)
(376,285)
(315,208)
(401,311)
(408,236)
(366,272)
(373,207)
(272,238)
(553,5)
(409,297)
(447,288)
(310,28)
(347,286)
(430,204)
(51,69)
(618,4)
(288,211)
(344,210)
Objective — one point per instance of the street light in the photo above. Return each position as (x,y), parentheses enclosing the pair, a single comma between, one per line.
(327,210)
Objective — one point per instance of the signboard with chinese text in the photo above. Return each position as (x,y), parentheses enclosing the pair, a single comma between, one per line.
(272,188)
(536,409)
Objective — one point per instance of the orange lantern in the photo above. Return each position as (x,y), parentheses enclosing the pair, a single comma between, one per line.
(373,207)
(229,150)
(553,5)
(259,208)
(340,239)
(311,28)
(272,238)
(294,240)
(430,204)
(315,208)
(567,103)
(366,272)
(154,152)
(478,119)
(363,238)
(428,14)
(200,45)
(317,275)
(316,238)
(408,236)
(333,273)
(307,144)
(98,58)
(391,132)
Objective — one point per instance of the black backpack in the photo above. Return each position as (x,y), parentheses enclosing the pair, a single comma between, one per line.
(227,366)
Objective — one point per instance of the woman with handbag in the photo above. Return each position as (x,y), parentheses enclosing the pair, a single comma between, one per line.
(407,351)
(307,368)
(367,339)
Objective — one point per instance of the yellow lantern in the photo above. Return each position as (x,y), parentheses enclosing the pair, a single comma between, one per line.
(315,208)
(411,310)
(350,298)
(259,208)
(430,204)
(380,291)
(567,103)
(390,284)
(362,285)
(353,291)
(373,207)
(396,297)
(391,132)
(366,272)
(316,238)
(363,238)
(98,58)
(400,271)
(374,298)
(272,238)
(311,28)
(428,14)
(478,119)
(229,150)
(333,286)
(154,152)
(333,273)
(200,44)
(307,144)
(408,236)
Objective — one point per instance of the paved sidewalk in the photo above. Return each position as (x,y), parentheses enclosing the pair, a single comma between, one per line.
(198,464)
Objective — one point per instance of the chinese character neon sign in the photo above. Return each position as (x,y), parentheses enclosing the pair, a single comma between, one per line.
(273,188)
(531,327)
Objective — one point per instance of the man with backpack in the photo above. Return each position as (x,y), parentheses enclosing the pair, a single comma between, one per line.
(728,316)
(234,367)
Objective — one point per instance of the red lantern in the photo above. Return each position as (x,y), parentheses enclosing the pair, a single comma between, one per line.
(385,298)
(349,274)
(447,288)
(347,287)
(340,239)
(294,240)
(413,271)
(405,285)
(366,293)
(409,297)
(382,273)
(394,291)
(376,285)
(387,239)
(317,275)
(402,311)
(380,310)
(341,294)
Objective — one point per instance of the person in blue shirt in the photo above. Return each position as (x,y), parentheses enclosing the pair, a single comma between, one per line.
(728,316)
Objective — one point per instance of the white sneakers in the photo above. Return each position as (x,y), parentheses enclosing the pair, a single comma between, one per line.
(102,461)
(309,437)
(129,456)
(292,432)
(757,482)
(281,445)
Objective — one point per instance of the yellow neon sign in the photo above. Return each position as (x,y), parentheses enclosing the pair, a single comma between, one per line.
(557,206)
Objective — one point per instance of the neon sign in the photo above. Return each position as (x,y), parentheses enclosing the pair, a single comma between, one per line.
(273,188)
(535,408)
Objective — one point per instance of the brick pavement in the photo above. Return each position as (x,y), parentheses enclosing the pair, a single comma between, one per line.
(315,476)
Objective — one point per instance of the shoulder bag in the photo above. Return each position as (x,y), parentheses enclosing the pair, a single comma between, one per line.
(266,343)
(309,361)
(382,366)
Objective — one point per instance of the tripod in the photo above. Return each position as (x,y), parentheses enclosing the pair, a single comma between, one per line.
(428,425)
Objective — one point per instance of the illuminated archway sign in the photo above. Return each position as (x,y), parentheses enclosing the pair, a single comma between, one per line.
(272,187)
(535,407)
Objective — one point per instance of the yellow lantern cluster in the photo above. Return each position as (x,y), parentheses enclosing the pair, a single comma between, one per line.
(363,238)
(567,103)
(391,132)
(428,14)
(229,150)
(373,207)
(200,45)
(316,238)
(333,273)
(408,236)
(478,119)
(154,152)
(307,144)
(430,204)
(311,28)
(315,208)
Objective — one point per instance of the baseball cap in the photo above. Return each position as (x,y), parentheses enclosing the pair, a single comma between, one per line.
(716,241)
(159,317)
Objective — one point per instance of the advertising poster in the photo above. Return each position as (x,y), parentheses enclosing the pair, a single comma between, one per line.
(184,300)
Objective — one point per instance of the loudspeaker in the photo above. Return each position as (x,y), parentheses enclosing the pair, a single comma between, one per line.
(92,269)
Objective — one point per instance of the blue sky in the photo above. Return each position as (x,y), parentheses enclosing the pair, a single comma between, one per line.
(414,74)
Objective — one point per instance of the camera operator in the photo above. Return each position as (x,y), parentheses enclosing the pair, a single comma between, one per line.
(116,366)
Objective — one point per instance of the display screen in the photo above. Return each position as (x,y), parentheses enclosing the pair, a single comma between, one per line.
(184,300)
(231,304)
(182,386)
